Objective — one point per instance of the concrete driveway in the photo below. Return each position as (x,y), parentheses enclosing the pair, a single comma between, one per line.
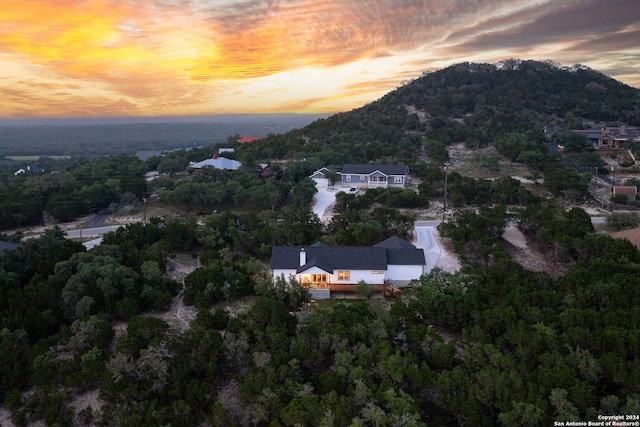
(324,199)
(426,241)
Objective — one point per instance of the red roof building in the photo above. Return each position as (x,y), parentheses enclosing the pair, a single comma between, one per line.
(248,139)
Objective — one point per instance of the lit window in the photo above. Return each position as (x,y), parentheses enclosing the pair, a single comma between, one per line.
(319,278)
(344,275)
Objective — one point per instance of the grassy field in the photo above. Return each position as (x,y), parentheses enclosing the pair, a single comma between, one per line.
(35,158)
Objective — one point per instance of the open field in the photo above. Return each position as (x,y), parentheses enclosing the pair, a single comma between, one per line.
(35,158)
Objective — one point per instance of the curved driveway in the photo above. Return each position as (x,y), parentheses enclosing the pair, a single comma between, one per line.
(323,199)
(326,197)
(427,242)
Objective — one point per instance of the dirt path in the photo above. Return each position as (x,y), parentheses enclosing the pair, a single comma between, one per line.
(527,256)
(179,315)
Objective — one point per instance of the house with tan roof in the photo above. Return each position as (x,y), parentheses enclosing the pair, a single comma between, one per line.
(632,235)
(631,191)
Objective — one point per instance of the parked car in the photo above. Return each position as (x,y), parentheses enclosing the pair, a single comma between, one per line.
(354,190)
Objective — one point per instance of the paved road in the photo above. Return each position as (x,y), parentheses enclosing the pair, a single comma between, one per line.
(98,219)
(86,232)
(76,234)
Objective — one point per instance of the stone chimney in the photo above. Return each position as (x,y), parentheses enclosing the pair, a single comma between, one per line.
(303,257)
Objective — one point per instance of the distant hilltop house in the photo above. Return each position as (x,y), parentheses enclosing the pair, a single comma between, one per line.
(247,139)
(217,162)
(28,169)
(323,269)
(630,191)
(368,175)
(610,138)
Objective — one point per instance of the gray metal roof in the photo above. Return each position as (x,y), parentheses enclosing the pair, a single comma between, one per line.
(392,251)
(6,246)
(218,163)
(366,169)
(330,258)
(395,242)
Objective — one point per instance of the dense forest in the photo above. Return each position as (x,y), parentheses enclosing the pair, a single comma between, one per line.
(492,344)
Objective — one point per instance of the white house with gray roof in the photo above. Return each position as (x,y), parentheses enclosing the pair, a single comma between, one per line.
(217,162)
(322,268)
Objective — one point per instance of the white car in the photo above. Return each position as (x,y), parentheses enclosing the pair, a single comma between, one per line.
(353,190)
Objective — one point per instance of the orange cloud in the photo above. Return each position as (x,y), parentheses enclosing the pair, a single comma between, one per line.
(98,39)
(199,56)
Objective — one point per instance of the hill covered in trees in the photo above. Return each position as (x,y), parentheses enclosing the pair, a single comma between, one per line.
(478,104)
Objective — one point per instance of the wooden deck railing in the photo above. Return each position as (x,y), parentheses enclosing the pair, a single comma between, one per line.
(392,291)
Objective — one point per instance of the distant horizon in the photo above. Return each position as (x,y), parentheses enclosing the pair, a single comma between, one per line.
(109,136)
(194,118)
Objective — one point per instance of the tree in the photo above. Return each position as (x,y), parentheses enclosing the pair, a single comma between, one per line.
(621,220)
(288,292)
(363,290)
(332,177)
(573,142)
(44,252)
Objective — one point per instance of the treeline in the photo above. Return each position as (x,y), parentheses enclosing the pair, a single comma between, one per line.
(69,189)
(534,349)
(59,305)
(521,348)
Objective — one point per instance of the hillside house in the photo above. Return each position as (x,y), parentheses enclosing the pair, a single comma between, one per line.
(28,170)
(217,162)
(610,138)
(631,191)
(248,139)
(323,269)
(323,172)
(374,175)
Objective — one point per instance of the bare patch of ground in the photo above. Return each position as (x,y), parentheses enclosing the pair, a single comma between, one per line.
(179,315)
(484,163)
(237,306)
(448,260)
(30,231)
(5,418)
(88,399)
(528,255)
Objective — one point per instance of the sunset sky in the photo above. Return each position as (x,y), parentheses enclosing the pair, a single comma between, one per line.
(93,58)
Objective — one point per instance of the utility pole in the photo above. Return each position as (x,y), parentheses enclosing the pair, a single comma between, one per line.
(446,176)
(613,187)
